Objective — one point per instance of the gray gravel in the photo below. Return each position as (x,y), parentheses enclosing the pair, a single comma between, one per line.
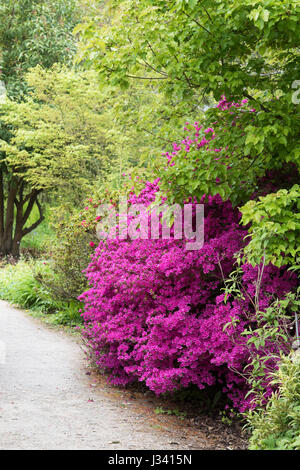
(49,400)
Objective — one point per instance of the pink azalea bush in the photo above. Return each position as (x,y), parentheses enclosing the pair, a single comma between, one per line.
(155,312)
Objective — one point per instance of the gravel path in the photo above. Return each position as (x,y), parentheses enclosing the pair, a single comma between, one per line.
(50,400)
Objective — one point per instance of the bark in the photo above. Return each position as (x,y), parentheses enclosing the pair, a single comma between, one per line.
(6,245)
(15,217)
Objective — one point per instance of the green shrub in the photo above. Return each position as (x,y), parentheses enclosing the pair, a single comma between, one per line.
(275,227)
(74,235)
(19,285)
(278,425)
(36,242)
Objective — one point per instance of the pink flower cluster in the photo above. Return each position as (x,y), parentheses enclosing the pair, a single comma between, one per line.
(198,137)
(156,313)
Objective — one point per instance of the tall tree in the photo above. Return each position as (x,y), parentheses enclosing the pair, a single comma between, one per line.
(247,52)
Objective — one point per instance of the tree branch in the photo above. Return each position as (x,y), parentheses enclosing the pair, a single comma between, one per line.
(32,197)
(147,78)
(197,22)
(37,223)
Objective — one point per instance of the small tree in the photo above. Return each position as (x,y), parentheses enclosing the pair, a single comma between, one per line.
(31,33)
(55,142)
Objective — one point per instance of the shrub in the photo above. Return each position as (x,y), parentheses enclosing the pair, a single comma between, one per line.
(155,312)
(19,285)
(277,426)
(75,236)
(275,227)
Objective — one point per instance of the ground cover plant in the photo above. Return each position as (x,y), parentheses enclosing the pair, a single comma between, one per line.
(277,426)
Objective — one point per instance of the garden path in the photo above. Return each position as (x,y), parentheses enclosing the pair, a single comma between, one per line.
(50,398)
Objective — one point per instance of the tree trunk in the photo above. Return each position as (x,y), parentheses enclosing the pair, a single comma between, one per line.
(1,207)
(12,225)
(7,238)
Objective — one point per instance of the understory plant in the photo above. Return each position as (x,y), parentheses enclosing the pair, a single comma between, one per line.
(273,331)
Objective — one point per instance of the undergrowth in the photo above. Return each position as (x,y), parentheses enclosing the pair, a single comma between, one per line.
(19,286)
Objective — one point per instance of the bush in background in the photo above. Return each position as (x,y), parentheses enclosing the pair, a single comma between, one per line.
(69,253)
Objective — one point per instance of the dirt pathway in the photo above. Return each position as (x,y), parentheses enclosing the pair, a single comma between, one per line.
(50,400)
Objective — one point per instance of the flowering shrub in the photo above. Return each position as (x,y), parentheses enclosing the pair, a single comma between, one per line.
(155,312)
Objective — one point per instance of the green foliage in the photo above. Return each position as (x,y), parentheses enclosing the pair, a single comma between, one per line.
(140,122)
(277,426)
(215,45)
(57,134)
(31,33)
(57,141)
(174,412)
(19,285)
(36,242)
(275,227)
(148,119)
(66,314)
(34,33)
(191,50)
(70,134)
(247,146)
(274,326)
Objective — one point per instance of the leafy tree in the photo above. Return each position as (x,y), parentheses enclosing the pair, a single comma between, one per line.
(34,33)
(275,227)
(245,54)
(211,48)
(57,144)
(214,46)
(140,105)
(31,33)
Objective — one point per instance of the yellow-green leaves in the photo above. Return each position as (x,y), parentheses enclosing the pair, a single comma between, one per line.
(58,139)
